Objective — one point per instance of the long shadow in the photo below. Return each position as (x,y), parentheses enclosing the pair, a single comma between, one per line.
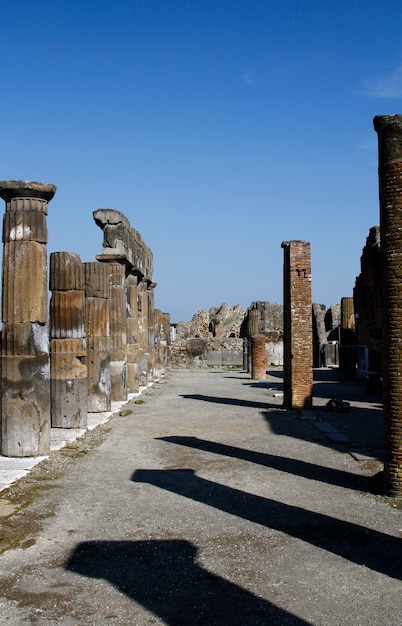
(364,546)
(229,401)
(165,578)
(291,466)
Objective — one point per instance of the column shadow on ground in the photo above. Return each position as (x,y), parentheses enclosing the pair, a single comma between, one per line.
(295,467)
(229,401)
(363,546)
(165,578)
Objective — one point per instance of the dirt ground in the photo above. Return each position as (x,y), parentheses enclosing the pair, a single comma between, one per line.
(204,502)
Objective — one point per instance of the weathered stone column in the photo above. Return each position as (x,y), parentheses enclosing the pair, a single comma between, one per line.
(143,332)
(297,326)
(68,374)
(124,246)
(25,366)
(97,330)
(253,328)
(151,329)
(132,333)
(389,130)
(258,357)
(118,332)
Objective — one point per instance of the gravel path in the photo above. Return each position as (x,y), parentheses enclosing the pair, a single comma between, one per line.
(205,503)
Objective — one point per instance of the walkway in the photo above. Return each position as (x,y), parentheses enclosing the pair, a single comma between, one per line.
(203,502)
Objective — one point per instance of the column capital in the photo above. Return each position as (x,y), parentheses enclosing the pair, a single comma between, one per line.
(389,131)
(10,189)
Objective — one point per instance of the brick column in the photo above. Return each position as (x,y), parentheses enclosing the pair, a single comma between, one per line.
(258,357)
(297,326)
(25,366)
(389,130)
(253,328)
(68,374)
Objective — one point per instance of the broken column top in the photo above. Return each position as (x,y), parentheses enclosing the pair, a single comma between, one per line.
(10,189)
(122,243)
(389,130)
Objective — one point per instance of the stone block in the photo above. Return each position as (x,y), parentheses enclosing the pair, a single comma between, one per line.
(27,339)
(66,272)
(96,280)
(67,314)
(97,361)
(76,346)
(69,402)
(24,282)
(214,358)
(97,320)
(232,358)
(25,226)
(118,379)
(25,405)
(118,347)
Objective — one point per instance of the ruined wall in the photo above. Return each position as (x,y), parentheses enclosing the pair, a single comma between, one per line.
(368,304)
(222,331)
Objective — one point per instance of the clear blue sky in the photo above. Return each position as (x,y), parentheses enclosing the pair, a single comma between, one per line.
(220,128)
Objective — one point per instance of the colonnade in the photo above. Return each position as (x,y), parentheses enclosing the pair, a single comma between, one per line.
(98,340)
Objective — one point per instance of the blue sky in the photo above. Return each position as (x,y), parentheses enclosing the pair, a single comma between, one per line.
(219,128)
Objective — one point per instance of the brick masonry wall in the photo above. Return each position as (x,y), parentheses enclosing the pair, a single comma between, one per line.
(298,335)
(389,129)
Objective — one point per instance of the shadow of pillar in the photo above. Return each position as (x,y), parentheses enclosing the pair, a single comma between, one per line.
(165,578)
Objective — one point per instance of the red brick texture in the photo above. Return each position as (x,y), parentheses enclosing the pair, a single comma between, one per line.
(389,129)
(297,321)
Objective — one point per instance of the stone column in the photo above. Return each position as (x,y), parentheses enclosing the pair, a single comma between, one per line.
(143,332)
(389,130)
(124,247)
(118,332)
(68,374)
(132,333)
(297,326)
(25,366)
(253,328)
(97,330)
(258,358)
(151,329)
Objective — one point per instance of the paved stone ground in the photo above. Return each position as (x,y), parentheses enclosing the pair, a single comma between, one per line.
(203,502)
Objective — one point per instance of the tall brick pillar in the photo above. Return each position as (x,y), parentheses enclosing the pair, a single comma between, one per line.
(297,326)
(389,130)
(25,366)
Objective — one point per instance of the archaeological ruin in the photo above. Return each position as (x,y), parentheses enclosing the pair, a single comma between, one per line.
(99,339)
(91,335)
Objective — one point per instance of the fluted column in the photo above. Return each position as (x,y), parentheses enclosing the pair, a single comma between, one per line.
(118,332)
(25,366)
(97,330)
(68,373)
(132,333)
(389,130)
